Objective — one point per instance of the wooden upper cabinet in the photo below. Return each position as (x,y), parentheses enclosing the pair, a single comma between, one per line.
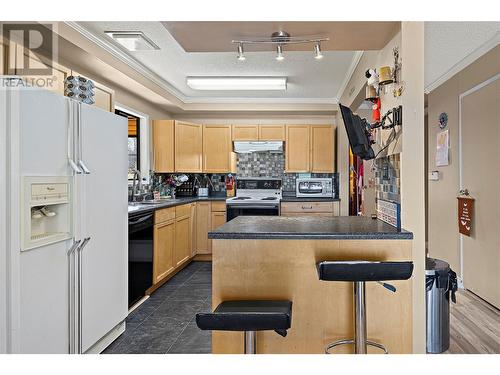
(297,154)
(17,56)
(217,148)
(322,149)
(188,147)
(163,146)
(245,133)
(271,132)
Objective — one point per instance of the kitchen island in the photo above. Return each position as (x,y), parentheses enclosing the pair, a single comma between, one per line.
(275,258)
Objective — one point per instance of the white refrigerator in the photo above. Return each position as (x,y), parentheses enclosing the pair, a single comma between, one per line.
(65,272)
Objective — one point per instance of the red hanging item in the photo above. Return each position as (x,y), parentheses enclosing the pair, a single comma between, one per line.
(376,110)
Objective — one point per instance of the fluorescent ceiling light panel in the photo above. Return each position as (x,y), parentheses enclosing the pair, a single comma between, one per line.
(133,40)
(237,83)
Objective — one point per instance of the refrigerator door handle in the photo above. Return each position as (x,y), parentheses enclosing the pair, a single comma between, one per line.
(80,295)
(83,167)
(75,245)
(80,141)
(72,292)
(71,142)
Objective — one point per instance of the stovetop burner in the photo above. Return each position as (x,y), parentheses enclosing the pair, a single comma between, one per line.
(241,198)
(269,199)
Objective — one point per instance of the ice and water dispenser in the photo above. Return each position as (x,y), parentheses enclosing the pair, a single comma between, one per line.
(46,211)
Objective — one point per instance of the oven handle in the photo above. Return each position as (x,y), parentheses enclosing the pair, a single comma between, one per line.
(263,206)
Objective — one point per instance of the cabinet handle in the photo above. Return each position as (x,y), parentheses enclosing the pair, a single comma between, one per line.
(307,207)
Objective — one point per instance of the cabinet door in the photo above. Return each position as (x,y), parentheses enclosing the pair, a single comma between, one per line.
(297,148)
(192,229)
(217,219)
(217,148)
(182,250)
(53,83)
(245,133)
(202,227)
(164,240)
(163,145)
(188,150)
(322,149)
(271,132)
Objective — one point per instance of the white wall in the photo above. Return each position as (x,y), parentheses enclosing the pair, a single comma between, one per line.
(411,145)
(413,168)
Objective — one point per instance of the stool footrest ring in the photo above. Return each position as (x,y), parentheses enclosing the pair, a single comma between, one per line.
(351,342)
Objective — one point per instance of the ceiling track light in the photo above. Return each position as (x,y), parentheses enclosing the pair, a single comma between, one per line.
(279,53)
(281,39)
(241,56)
(317,51)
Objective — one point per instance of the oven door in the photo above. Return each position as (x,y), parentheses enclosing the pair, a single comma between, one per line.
(234,210)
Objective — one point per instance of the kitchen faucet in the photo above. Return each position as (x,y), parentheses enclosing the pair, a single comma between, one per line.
(136,180)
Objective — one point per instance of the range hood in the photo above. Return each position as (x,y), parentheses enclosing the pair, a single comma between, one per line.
(249,147)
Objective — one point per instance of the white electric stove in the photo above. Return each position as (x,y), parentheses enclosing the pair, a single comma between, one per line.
(255,196)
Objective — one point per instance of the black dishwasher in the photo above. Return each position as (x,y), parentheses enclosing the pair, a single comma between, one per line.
(140,255)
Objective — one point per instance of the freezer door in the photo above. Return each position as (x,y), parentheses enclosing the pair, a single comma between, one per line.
(105,220)
(42,273)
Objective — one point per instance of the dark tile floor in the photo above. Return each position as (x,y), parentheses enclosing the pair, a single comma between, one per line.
(165,322)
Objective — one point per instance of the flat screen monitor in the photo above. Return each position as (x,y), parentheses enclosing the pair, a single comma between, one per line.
(356,128)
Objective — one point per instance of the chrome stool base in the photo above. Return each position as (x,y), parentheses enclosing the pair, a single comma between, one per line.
(351,342)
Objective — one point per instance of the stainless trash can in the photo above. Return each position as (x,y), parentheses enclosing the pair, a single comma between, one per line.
(441,282)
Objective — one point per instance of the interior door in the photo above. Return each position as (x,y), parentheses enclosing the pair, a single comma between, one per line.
(105,221)
(480,143)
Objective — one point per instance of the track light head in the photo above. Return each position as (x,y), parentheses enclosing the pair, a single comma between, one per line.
(279,53)
(241,56)
(317,51)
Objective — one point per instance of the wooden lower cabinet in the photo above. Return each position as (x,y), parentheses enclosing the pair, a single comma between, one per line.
(218,218)
(203,225)
(164,244)
(310,208)
(182,248)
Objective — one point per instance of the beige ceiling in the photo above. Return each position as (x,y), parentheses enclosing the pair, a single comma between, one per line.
(344,36)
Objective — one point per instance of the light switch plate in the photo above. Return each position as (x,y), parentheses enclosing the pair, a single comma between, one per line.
(434,176)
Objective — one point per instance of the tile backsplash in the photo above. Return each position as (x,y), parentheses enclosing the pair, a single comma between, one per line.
(269,164)
(387,178)
(260,164)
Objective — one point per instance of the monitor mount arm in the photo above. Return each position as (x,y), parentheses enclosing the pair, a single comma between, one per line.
(395,119)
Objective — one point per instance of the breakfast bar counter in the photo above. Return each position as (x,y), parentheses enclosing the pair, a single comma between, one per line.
(274,258)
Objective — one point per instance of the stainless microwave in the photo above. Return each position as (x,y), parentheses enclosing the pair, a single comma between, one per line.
(314,187)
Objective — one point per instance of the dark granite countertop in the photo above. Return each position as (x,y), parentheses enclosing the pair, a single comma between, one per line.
(308,227)
(293,198)
(166,203)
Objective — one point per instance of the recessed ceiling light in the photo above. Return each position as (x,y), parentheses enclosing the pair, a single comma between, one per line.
(237,83)
(133,40)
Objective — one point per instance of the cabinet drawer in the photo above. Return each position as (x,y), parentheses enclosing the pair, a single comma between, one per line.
(164,214)
(302,207)
(184,210)
(219,206)
(292,214)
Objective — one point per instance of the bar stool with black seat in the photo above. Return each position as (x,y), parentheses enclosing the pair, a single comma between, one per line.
(249,317)
(359,272)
